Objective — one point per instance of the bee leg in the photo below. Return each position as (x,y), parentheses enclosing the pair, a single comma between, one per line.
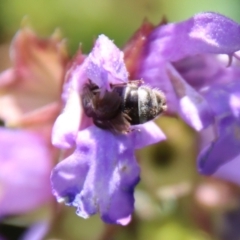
(126,116)
(136,82)
(121,123)
(133,82)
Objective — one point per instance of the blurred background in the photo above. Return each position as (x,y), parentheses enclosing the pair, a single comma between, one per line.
(81,21)
(172,201)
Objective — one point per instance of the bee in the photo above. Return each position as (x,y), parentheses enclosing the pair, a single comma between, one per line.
(125,105)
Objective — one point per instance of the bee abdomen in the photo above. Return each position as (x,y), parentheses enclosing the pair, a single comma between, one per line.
(130,103)
(147,104)
(141,104)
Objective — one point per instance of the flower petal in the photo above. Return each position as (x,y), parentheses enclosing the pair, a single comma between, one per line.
(224,98)
(72,118)
(223,150)
(193,107)
(204,33)
(100,176)
(24,173)
(66,126)
(147,134)
(37,231)
(105,64)
(68,176)
(203,69)
(229,170)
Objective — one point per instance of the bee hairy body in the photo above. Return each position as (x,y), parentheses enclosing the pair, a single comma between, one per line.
(127,104)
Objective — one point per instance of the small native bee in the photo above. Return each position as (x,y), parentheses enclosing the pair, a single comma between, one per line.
(125,105)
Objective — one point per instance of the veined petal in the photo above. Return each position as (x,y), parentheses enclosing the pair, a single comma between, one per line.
(106,64)
(224,98)
(193,107)
(220,156)
(203,69)
(204,33)
(68,176)
(100,176)
(224,149)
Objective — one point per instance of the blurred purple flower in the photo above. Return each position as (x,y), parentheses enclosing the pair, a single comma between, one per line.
(25,161)
(100,176)
(186,61)
(37,231)
(221,157)
(29,103)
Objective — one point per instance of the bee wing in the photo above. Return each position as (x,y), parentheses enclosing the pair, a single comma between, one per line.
(119,124)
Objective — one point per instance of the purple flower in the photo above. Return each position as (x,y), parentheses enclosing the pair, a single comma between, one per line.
(103,66)
(186,61)
(221,157)
(100,175)
(25,161)
(29,101)
(102,172)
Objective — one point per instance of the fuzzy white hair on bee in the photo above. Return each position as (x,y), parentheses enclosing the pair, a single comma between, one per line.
(127,104)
